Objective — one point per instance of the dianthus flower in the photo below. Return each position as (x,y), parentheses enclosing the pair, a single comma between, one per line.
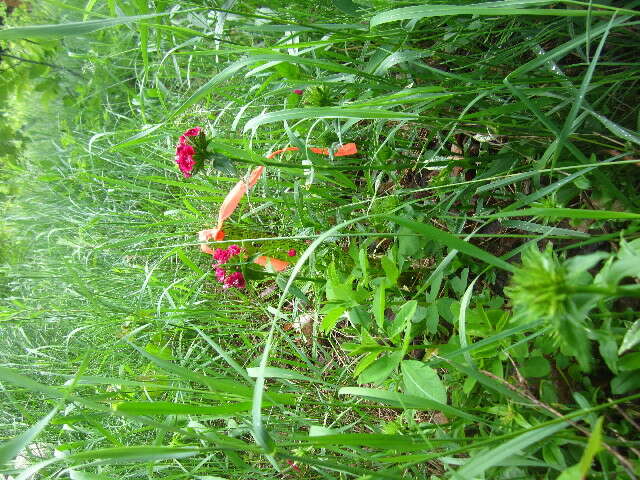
(185,151)
(292,252)
(220,274)
(233,250)
(236,279)
(184,158)
(222,256)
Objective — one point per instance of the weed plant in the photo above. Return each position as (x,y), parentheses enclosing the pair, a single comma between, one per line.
(462,300)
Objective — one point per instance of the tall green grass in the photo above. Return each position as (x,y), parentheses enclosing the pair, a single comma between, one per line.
(394,348)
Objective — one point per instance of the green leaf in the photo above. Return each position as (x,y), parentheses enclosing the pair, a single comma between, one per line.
(403,318)
(69,29)
(508,7)
(10,450)
(380,370)
(348,6)
(568,213)
(480,463)
(453,242)
(326,112)
(405,401)
(331,318)
(536,367)
(594,445)
(390,270)
(170,408)
(631,338)
(625,382)
(421,380)
(378,305)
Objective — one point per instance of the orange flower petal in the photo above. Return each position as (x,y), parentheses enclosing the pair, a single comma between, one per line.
(206,235)
(343,151)
(255,176)
(231,202)
(282,150)
(278,265)
(347,149)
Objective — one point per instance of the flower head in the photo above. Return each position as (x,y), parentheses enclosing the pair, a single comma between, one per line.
(185,151)
(297,91)
(184,158)
(221,255)
(193,132)
(220,274)
(233,250)
(236,279)
(292,252)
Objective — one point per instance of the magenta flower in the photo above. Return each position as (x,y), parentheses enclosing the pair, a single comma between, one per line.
(193,132)
(236,279)
(220,274)
(297,91)
(184,158)
(221,255)
(233,250)
(185,152)
(292,252)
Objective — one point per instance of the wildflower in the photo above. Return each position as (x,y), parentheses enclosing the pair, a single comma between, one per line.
(293,465)
(297,91)
(220,274)
(184,158)
(193,132)
(221,255)
(236,279)
(233,250)
(292,252)
(185,151)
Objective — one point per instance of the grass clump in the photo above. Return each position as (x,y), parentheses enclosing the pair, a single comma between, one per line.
(461,295)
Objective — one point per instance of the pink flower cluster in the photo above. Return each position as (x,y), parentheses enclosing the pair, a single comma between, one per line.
(185,151)
(235,279)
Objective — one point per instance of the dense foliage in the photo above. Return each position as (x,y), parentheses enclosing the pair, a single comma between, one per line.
(462,294)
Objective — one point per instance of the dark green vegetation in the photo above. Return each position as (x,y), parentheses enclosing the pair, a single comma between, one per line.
(465,299)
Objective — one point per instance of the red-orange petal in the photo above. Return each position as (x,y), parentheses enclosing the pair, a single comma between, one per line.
(347,149)
(343,151)
(231,202)
(278,265)
(207,235)
(255,176)
(282,150)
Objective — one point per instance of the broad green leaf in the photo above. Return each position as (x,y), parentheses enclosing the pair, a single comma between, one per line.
(331,318)
(390,270)
(378,305)
(403,318)
(536,367)
(631,338)
(420,380)
(380,370)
